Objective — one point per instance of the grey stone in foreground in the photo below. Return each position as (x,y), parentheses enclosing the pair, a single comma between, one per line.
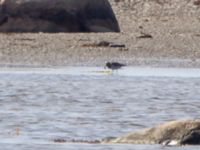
(57,16)
(180,132)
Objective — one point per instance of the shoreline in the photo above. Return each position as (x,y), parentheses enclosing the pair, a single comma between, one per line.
(142,63)
(100,71)
(82,49)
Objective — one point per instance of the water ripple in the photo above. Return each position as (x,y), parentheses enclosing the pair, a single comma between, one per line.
(37,108)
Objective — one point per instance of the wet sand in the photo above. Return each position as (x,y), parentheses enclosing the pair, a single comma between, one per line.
(160,36)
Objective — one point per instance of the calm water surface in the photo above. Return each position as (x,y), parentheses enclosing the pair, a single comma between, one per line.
(37,108)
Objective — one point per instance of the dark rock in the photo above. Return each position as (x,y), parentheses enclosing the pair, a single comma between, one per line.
(3,19)
(193,138)
(57,16)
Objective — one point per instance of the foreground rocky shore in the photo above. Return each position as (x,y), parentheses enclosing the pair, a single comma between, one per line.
(154,33)
(179,132)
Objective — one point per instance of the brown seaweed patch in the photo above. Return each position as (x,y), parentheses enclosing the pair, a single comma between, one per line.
(122,47)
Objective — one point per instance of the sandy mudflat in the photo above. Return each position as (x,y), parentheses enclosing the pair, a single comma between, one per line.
(173,40)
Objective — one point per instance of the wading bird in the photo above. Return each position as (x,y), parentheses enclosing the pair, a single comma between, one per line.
(114,65)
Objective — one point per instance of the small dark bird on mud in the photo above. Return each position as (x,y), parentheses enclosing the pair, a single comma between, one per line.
(114,65)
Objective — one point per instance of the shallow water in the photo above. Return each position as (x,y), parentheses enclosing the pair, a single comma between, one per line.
(40,105)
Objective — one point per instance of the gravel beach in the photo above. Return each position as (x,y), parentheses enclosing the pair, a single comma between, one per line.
(154,33)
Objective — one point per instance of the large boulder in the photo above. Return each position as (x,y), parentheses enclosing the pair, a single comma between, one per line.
(57,16)
(180,132)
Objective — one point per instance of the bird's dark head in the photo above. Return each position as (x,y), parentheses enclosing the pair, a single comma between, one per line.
(108,65)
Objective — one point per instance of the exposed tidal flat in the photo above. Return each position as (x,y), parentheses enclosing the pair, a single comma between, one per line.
(64,49)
